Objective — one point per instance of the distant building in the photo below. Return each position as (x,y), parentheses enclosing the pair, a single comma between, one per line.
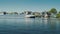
(46,14)
(37,14)
(1,13)
(53,15)
(28,12)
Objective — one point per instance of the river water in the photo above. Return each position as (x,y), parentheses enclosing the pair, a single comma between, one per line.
(18,25)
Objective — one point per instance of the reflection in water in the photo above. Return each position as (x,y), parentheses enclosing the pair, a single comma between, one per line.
(51,25)
(29,20)
(30,26)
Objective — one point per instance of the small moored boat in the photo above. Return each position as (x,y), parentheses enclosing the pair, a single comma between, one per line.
(30,16)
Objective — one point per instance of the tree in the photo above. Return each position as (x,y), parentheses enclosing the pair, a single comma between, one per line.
(58,15)
(59,11)
(49,14)
(4,13)
(53,10)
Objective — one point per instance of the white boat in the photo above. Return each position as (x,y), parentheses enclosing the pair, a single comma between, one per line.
(30,16)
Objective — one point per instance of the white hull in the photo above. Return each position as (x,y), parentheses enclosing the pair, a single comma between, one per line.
(30,16)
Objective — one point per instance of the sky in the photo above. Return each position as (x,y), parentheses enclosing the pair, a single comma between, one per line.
(28,5)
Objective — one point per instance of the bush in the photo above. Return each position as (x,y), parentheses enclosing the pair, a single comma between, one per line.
(58,15)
